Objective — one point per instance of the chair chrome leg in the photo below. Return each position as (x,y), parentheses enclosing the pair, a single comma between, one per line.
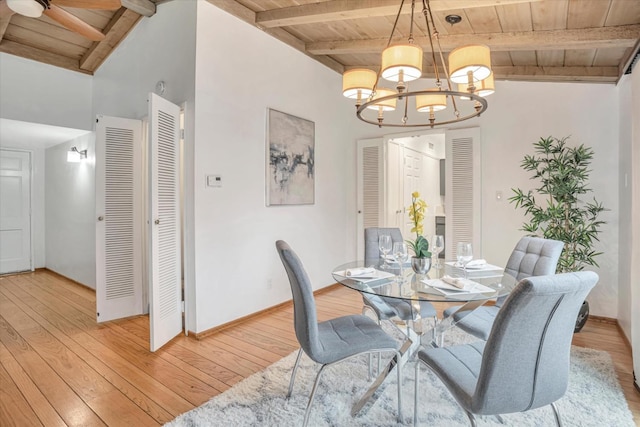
(415,393)
(472,419)
(312,395)
(557,414)
(500,419)
(399,371)
(293,373)
(370,374)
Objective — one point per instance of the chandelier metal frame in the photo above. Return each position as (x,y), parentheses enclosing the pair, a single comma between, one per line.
(453,97)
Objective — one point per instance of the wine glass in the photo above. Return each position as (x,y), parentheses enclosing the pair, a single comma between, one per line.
(384,244)
(464,254)
(400,254)
(437,245)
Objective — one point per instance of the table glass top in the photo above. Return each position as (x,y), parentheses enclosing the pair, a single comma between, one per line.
(377,279)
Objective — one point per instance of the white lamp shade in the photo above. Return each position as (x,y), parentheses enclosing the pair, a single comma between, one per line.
(475,59)
(387,105)
(427,103)
(30,8)
(358,81)
(402,60)
(483,88)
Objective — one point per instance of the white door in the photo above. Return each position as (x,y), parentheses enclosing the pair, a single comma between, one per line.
(463,190)
(119,202)
(369,188)
(394,188)
(15,211)
(164,232)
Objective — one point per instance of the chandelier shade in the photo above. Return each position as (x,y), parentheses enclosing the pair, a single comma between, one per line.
(431,103)
(358,83)
(384,104)
(402,62)
(469,63)
(483,88)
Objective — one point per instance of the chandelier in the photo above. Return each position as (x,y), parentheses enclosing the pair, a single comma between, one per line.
(469,68)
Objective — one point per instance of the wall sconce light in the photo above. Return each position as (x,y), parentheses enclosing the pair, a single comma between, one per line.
(75,156)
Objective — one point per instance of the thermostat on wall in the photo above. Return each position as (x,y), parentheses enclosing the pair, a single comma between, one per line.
(214,181)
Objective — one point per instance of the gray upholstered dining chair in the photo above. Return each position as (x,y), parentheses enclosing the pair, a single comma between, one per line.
(532,256)
(387,308)
(524,364)
(333,340)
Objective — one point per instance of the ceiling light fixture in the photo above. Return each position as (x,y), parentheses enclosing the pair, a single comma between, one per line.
(75,156)
(469,69)
(30,8)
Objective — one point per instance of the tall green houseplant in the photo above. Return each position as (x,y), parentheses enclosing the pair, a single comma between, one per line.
(563,173)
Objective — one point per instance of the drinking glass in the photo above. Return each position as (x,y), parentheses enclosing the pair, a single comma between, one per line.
(400,254)
(464,254)
(437,245)
(384,244)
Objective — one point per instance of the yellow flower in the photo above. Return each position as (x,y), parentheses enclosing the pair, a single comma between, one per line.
(417,211)
(415,194)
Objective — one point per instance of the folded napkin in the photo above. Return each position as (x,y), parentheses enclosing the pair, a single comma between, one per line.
(360,271)
(458,282)
(476,263)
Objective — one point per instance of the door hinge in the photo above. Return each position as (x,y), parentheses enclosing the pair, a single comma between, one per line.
(181,133)
(182,306)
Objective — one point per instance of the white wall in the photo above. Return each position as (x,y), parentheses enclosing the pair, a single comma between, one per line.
(240,72)
(41,93)
(634,277)
(70,212)
(519,114)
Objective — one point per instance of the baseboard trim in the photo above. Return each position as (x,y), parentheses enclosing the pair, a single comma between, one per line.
(602,319)
(219,328)
(66,278)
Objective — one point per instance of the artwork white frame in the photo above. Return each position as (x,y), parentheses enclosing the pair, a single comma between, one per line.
(290,160)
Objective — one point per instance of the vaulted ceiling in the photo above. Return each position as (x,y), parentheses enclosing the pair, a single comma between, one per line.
(533,40)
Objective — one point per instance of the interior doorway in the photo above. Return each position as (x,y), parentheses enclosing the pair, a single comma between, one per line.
(16,252)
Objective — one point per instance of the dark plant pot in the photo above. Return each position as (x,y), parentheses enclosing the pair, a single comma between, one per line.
(583,315)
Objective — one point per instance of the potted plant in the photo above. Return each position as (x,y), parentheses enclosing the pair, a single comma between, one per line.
(421,262)
(563,173)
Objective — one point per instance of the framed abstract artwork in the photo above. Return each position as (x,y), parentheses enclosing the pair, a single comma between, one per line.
(290,160)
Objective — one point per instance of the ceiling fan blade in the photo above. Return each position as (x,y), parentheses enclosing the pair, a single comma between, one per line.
(69,21)
(89,4)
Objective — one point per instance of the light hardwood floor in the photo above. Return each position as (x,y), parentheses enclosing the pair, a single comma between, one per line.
(58,367)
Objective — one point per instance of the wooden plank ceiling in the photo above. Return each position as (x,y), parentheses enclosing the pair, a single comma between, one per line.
(533,40)
(46,40)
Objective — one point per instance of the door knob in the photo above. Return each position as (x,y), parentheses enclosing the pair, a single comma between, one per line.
(156,222)
(100,218)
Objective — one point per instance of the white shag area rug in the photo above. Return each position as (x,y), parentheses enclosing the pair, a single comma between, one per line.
(594,398)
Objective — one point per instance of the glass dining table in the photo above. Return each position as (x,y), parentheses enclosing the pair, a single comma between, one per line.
(449,284)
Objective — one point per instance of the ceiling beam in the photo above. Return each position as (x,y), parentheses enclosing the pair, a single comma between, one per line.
(556,74)
(141,7)
(585,38)
(338,10)
(115,31)
(17,49)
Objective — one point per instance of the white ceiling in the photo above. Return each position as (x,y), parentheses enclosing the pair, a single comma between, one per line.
(19,134)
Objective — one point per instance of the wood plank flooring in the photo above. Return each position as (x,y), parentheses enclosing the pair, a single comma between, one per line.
(60,368)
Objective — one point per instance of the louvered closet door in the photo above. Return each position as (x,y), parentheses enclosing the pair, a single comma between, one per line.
(119,218)
(370,188)
(463,190)
(164,185)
